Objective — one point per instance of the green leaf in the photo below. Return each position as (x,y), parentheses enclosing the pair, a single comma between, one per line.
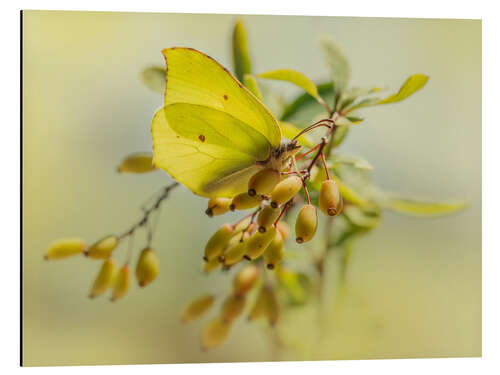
(294,77)
(340,135)
(154,78)
(241,58)
(412,85)
(337,64)
(355,162)
(294,284)
(350,195)
(348,121)
(290,131)
(251,84)
(362,218)
(423,209)
(305,102)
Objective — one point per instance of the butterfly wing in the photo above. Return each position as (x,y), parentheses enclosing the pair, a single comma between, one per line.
(212,130)
(197,155)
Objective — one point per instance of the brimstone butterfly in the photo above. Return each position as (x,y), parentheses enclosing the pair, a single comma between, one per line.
(212,134)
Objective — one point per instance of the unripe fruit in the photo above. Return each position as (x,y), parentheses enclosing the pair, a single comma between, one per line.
(242,225)
(122,283)
(284,229)
(65,247)
(267,217)
(141,162)
(263,182)
(306,224)
(285,190)
(104,278)
(216,244)
(103,248)
(197,308)
(330,199)
(218,206)
(147,267)
(245,280)
(244,201)
(233,307)
(259,242)
(236,251)
(274,252)
(214,333)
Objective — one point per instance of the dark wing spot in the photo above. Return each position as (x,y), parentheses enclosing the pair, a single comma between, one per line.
(201,137)
(226,97)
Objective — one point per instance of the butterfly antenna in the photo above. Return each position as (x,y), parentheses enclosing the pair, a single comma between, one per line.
(314,126)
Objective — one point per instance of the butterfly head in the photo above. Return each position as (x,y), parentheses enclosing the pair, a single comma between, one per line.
(282,154)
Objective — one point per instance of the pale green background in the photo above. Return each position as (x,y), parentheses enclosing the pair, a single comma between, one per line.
(416,283)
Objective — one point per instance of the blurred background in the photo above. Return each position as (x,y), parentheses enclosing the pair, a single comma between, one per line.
(414,284)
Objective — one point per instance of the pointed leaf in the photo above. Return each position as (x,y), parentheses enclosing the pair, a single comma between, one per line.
(251,84)
(337,64)
(306,102)
(423,209)
(154,78)
(412,85)
(294,77)
(241,57)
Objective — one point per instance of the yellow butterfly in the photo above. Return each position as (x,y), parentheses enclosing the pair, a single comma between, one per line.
(213,134)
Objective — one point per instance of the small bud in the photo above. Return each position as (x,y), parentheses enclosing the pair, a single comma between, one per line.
(197,308)
(330,199)
(140,162)
(244,201)
(65,247)
(267,217)
(263,182)
(232,307)
(122,283)
(236,251)
(284,229)
(104,278)
(216,244)
(218,206)
(259,242)
(147,267)
(285,190)
(214,333)
(103,248)
(306,224)
(274,252)
(245,280)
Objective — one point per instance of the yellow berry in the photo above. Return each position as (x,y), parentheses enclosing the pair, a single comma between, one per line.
(244,201)
(266,217)
(263,182)
(259,242)
(140,162)
(306,224)
(233,307)
(274,252)
(236,251)
(65,247)
(285,190)
(104,278)
(197,308)
(211,265)
(217,243)
(214,333)
(103,248)
(246,279)
(330,199)
(147,267)
(218,206)
(121,283)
